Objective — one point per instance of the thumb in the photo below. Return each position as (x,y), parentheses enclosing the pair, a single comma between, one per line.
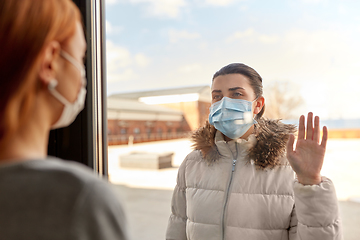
(290,145)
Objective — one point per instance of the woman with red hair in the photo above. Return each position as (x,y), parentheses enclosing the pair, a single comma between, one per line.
(42,87)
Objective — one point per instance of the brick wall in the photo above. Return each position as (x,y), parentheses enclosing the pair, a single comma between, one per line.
(120,131)
(344,133)
(203,112)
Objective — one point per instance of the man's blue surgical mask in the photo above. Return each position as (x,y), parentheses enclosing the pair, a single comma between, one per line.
(232,117)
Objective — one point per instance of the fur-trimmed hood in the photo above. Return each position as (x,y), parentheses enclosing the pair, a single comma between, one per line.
(271,136)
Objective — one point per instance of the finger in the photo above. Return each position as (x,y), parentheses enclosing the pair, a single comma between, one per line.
(301,127)
(309,128)
(316,129)
(290,144)
(324,137)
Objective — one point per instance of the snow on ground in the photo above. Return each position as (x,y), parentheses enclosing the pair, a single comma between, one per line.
(342,165)
(141,178)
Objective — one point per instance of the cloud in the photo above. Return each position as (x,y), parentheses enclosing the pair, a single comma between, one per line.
(307,42)
(176,36)
(314,1)
(117,56)
(162,8)
(122,75)
(121,63)
(111,2)
(190,68)
(316,59)
(244,8)
(219,2)
(111,29)
(251,35)
(241,35)
(342,10)
(216,3)
(142,60)
(268,39)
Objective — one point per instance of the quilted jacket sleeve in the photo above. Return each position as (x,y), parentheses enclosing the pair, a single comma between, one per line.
(176,229)
(316,212)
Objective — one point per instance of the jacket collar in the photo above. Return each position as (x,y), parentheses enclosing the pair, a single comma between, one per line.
(228,149)
(265,146)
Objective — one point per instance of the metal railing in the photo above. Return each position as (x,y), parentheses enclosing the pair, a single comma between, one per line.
(121,139)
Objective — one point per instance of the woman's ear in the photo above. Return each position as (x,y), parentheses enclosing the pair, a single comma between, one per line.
(259,103)
(49,62)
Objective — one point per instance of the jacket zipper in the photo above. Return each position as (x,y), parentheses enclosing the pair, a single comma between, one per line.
(228,189)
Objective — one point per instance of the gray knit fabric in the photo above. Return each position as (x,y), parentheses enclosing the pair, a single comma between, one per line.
(55,199)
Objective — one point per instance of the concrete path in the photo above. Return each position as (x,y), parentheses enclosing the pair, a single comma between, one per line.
(148,211)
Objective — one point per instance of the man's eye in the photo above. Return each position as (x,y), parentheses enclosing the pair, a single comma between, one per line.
(237,94)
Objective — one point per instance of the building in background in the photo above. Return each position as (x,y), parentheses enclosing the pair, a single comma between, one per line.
(130,121)
(193,102)
(173,113)
(338,128)
(343,128)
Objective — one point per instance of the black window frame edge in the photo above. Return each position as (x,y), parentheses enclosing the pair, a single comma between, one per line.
(85,140)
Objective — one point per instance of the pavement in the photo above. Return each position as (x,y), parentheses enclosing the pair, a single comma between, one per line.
(146,194)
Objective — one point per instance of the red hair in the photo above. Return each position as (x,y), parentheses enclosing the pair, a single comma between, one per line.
(26,27)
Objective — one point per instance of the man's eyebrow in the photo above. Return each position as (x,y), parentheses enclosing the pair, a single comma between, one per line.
(217,91)
(236,88)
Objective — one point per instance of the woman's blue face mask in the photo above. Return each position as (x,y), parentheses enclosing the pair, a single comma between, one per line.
(232,117)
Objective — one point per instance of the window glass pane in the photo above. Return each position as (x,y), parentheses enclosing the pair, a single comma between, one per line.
(161,57)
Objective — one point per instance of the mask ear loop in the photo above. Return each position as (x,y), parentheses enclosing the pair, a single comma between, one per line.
(79,66)
(68,57)
(51,86)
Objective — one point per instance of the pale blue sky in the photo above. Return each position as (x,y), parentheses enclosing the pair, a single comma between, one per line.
(154,44)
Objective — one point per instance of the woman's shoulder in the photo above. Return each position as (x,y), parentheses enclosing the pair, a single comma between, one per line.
(57,178)
(270,148)
(194,155)
(191,159)
(57,170)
